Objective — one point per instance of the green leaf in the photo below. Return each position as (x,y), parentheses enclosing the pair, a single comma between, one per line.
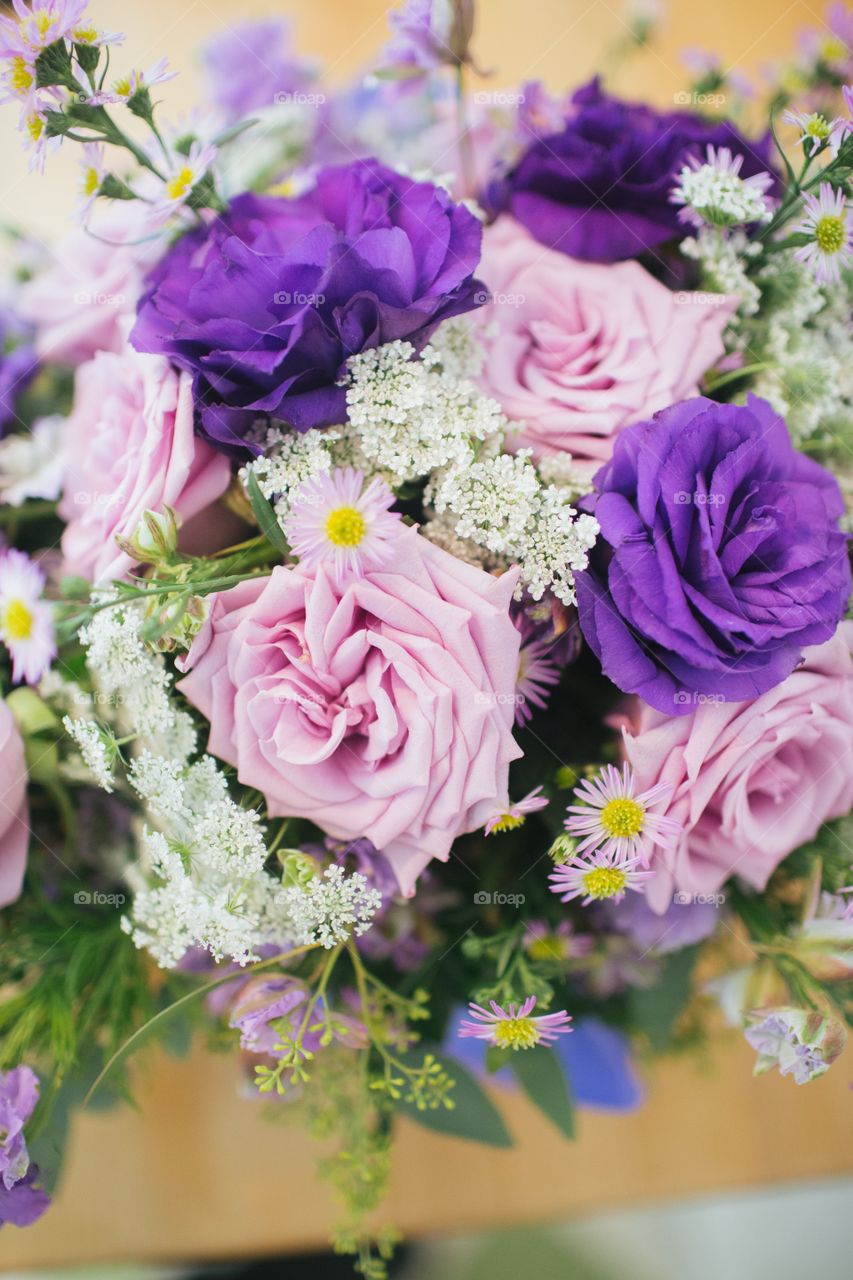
(656,1009)
(540,1074)
(474,1116)
(228,135)
(265,516)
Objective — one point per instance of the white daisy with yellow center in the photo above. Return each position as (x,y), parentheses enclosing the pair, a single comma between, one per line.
(26,621)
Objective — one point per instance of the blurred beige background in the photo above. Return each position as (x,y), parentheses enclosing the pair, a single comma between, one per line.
(559,41)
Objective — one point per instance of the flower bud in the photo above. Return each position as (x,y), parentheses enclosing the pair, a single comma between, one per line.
(800,1042)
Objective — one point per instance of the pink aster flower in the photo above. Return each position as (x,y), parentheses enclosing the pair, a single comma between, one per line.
(26,620)
(38,25)
(600,876)
(536,673)
(33,126)
(544,942)
(514,816)
(92,171)
(336,520)
(184,175)
(513,1027)
(124,88)
(827,223)
(615,819)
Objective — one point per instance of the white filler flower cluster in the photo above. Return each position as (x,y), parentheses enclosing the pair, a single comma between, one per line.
(202,879)
(422,418)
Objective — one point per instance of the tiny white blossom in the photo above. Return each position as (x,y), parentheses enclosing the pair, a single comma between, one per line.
(411,418)
(715,193)
(331,908)
(96,747)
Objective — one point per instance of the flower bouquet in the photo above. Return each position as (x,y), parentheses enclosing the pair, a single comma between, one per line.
(423,585)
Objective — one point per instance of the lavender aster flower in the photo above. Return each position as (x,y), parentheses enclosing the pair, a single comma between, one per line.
(266,304)
(724,560)
(599,189)
(20,1201)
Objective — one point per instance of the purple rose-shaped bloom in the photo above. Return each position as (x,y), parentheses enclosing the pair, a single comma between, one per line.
(20,1201)
(599,189)
(724,556)
(265,305)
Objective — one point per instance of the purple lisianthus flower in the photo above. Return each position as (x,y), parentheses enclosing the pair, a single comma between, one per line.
(265,305)
(18,365)
(268,1007)
(20,1201)
(723,561)
(599,188)
(252,65)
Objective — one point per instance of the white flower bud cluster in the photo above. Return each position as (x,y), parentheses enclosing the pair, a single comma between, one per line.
(410,417)
(331,908)
(501,504)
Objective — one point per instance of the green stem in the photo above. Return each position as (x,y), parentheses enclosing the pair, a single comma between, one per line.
(735,374)
(121,1053)
(30,511)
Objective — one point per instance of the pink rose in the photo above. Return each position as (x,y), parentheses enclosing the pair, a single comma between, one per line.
(129,445)
(14,814)
(753,780)
(381,707)
(576,351)
(80,304)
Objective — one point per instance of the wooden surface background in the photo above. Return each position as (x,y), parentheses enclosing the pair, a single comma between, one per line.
(199,1173)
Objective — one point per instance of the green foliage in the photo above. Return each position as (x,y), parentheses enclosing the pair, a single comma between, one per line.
(472,1116)
(541,1076)
(75,981)
(655,1010)
(265,516)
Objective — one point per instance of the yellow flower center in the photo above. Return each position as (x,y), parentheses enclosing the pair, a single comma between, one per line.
(287,188)
(623,818)
(35,126)
(181,184)
(84,35)
(508,822)
(830,233)
(17,621)
(817,128)
(833,49)
(516,1033)
(91,182)
(43,22)
(545,949)
(20,76)
(122,87)
(345,527)
(604,882)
